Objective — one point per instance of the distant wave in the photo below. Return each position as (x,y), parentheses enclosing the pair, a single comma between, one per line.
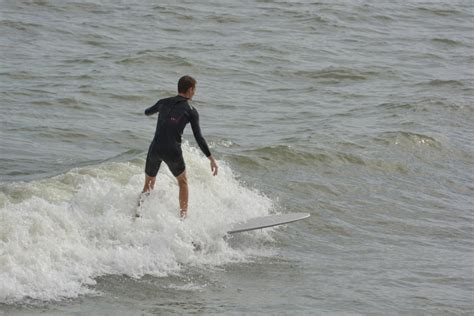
(268,157)
(439,82)
(332,74)
(408,138)
(153,58)
(426,105)
(447,41)
(21,26)
(441,11)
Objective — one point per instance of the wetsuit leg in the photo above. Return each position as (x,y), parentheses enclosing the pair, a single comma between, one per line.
(153,161)
(175,161)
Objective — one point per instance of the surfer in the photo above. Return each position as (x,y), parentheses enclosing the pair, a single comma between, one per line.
(174,114)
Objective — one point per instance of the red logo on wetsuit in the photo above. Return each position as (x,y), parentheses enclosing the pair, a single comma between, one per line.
(176,120)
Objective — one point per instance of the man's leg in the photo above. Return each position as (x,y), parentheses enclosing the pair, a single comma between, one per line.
(147,187)
(149,183)
(152,165)
(183,193)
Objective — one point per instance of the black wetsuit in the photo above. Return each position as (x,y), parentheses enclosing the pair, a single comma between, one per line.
(174,114)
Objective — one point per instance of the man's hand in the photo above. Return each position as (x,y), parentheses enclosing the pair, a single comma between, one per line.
(214,166)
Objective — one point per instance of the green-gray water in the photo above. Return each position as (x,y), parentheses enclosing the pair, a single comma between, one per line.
(358,112)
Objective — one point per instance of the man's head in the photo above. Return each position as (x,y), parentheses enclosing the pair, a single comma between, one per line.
(187,86)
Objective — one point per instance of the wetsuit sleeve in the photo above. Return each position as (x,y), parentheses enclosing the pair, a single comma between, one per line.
(194,120)
(153,109)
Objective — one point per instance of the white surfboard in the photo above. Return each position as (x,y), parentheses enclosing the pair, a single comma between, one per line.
(267,221)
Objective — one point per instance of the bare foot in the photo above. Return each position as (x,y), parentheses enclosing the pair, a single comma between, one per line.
(142,197)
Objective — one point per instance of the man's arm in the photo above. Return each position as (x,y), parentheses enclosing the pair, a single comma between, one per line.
(153,109)
(197,133)
(201,141)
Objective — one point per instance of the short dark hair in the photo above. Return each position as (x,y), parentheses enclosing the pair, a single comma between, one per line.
(186,82)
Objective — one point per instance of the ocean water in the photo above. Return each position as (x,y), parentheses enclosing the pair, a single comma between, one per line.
(358,112)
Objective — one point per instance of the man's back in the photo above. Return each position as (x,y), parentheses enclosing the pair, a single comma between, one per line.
(174,114)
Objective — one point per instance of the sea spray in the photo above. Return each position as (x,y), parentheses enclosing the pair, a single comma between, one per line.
(58,235)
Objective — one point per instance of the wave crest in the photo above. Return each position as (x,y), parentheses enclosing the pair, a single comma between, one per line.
(58,235)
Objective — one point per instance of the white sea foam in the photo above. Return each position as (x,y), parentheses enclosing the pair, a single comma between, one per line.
(57,235)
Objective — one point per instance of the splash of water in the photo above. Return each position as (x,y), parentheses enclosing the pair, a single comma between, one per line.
(58,235)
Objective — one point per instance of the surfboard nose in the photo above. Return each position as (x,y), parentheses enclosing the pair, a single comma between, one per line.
(267,221)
